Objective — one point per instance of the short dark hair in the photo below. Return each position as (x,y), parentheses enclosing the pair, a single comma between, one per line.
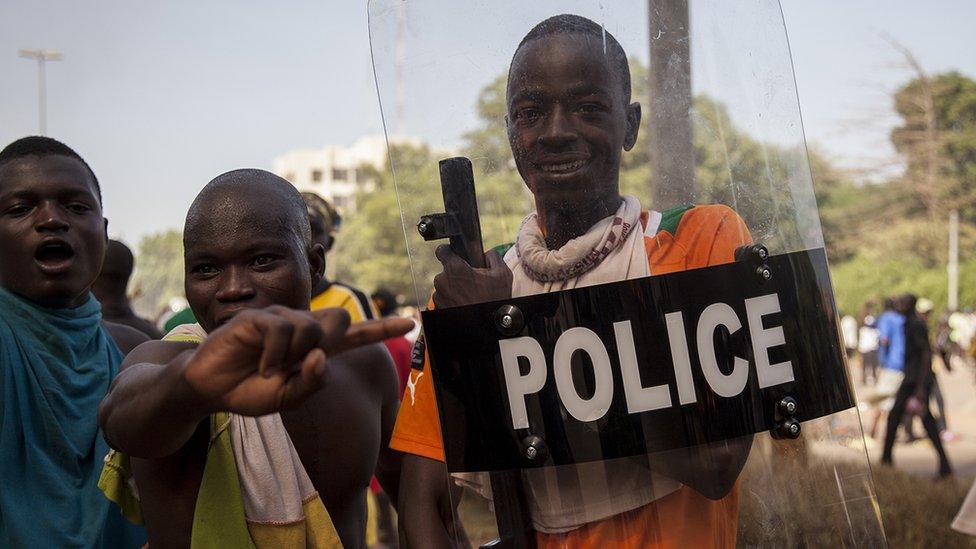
(39,145)
(324,210)
(119,262)
(389,300)
(908,303)
(568,24)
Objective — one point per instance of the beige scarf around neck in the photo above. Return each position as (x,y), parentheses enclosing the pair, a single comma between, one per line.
(612,250)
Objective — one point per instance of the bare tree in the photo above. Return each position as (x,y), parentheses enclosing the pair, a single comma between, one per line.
(919,138)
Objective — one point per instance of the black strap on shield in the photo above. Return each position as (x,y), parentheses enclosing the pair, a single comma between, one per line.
(460,223)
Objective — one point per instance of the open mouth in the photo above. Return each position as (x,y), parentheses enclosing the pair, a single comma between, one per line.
(562,167)
(54,256)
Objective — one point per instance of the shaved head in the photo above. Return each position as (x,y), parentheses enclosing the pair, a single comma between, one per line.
(232,197)
(247,244)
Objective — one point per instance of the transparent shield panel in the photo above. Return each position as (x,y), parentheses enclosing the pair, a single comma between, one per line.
(815,491)
(720,120)
(617,375)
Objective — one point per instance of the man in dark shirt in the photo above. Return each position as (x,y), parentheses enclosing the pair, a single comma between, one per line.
(913,394)
(110,286)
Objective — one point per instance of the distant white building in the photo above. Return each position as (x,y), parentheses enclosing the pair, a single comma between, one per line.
(334,172)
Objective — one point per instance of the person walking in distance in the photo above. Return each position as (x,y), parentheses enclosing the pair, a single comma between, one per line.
(913,394)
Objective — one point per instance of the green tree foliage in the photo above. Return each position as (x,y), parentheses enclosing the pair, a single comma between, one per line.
(503,200)
(841,203)
(892,237)
(369,250)
(861,279)
(158,274)
(487,145)
(764,183)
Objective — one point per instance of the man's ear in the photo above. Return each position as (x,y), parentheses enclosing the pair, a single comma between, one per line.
(105,228)
(316,263)
(633,125)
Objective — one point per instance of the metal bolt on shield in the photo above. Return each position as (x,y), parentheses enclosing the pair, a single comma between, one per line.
(788,406)
(508,320)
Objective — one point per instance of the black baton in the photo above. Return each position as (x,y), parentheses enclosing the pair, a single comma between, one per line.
(460,223)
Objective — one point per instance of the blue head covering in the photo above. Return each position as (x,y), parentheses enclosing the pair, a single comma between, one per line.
(55,367)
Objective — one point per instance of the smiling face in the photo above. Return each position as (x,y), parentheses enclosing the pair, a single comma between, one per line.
(52,232)
(244,249)
(568,120)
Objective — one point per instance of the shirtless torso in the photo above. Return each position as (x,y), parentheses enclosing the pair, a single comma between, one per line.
(250,267)
(351,417)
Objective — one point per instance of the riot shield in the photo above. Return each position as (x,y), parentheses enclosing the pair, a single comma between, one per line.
(629,329)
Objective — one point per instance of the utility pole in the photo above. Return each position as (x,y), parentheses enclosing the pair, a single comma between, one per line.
(42,57)
(669,107)
(953,266)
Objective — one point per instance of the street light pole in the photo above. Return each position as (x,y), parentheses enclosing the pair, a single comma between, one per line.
(953,269)
(42,57)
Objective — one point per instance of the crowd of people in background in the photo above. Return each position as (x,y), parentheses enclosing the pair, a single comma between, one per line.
(901,352)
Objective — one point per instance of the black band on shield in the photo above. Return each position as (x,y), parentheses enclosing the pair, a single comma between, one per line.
(644,365)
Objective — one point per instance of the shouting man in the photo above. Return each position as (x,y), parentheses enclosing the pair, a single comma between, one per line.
(58,357)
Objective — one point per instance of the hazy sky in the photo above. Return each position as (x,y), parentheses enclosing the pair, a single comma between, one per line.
(160,97)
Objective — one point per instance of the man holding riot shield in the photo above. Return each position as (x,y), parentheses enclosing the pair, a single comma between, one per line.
(570,117)
(617,376)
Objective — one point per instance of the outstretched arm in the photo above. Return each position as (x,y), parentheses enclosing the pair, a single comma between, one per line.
(150,410)
(260,362)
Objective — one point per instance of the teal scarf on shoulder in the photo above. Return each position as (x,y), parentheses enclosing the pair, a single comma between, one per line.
(55,367)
